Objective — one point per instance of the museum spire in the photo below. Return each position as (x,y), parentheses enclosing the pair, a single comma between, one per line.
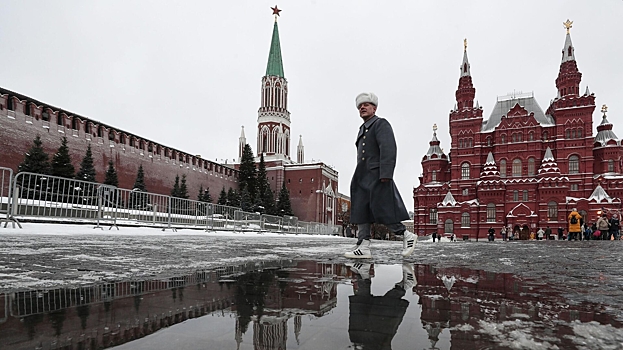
(275,66)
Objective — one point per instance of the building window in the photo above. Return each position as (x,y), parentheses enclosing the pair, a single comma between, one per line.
(574,187)
(465,220)
(610,165)
(312,179)
(568,134)
(503,168)
(514,137)
(465,171)
(515,196)
(465,192)
(520,137)
(448,226)
(503,137)
(434,175)
(531,136)
(552,211)
(432,216)
(530,166)
(300,180)
(579,133)
(574,164)
(545,135)
(516,168)
(525,195)
(491,212)
(488,141)
(461,143)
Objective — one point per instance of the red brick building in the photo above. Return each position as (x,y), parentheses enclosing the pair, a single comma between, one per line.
(522,167)
(312,185)
(23,117)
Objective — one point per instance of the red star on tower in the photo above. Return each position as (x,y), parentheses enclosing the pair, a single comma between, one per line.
(276,10)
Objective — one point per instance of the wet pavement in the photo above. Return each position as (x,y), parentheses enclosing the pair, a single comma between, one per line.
(227,291)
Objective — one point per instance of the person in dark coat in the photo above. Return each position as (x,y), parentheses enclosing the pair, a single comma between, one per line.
(491,234)
(374,320)
(374,196)
(548,233)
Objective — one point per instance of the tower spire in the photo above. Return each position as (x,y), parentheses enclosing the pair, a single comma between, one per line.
(569,77)
(275,66)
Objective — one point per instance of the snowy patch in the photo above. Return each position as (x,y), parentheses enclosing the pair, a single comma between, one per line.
(593,335)
(514,335)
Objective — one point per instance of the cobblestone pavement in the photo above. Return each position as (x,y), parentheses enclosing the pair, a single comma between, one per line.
(585,271)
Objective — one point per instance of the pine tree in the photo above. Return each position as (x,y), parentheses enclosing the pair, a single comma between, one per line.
(265,198)
(87,169)
(247,173)
(245,200)
(183,188)
(175,192)
(233,198)
(284,207)
(206,195)
(61,161)
(111,175)
(200,194)
(139,184)
(35,160)
(222,198)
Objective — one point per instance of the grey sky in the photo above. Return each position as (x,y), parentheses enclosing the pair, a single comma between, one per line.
(187,74)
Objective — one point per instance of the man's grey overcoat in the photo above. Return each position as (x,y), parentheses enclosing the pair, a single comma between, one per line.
(373,201)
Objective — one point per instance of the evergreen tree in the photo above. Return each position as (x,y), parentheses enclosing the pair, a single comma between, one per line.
(139,200)
(139,183)
(207,197)
(35,160)
(111,175)
(233,198)
(222,198)
(87,169)
(247,173)
(284,207)
(265,198)
(175,192)
(61,161)
(200,194)
(245,200)
(183,188)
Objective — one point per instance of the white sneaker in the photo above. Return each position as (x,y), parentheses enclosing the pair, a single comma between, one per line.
(360,252)
(362,269)
(408,242)
(408,277)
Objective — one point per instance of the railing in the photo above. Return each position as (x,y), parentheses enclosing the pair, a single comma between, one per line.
(6,179)
(46,198)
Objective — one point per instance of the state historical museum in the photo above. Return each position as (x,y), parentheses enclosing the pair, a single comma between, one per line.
(522,167)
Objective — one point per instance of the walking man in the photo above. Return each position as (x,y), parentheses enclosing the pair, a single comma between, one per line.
(374,196)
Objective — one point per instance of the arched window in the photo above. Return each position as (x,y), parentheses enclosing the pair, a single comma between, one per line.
(503,138)
(573,133)
(545,135)
(530,166)
(503,168)
(552,211)
(434,175)
(525,196)
(515,196)
(574,164)
(432,216)
(568,134)
(514,137)
(465,220)
(610,165)
(461,143)
(579,133)
(516,168)
(491,212)
(488,141)
(531,136)
(520,137)
(465,171)
(448,226)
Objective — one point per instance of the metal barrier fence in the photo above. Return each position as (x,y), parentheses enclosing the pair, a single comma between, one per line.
(6,179)
(46,198)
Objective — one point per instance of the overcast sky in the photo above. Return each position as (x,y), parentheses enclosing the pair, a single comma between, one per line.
(187,74)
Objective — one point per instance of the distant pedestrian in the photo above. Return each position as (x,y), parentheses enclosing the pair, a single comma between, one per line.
(539,234)
(614,227)
(434,236)
(548,233)
(503,233)
(574,224)
(560,233)
(491,234)
(603,226)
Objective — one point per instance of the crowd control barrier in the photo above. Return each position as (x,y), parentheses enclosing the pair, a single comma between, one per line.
(6,214)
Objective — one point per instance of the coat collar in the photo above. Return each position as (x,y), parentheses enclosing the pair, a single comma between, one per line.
(366,125)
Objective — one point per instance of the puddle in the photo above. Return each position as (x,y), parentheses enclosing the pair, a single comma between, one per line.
(309,305)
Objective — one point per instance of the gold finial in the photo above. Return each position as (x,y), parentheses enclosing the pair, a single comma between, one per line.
(604,109)
(568,24)
(465,44)
(434,128)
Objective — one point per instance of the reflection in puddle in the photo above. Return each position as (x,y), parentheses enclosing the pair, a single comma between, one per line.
(308,305)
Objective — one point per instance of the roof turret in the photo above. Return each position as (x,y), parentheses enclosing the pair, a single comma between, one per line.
(449,200)
(434,151)
(599,195)
(465,64)
(490,170)
(549,167)
(604,130)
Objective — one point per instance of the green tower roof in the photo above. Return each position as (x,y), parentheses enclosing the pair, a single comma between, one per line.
(275,67)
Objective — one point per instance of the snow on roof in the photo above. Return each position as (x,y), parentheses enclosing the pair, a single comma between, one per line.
(449,199)
(599,194)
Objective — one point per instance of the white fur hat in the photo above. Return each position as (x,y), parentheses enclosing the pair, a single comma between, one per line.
(369,97)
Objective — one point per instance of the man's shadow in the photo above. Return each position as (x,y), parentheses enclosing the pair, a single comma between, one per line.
(374,320)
